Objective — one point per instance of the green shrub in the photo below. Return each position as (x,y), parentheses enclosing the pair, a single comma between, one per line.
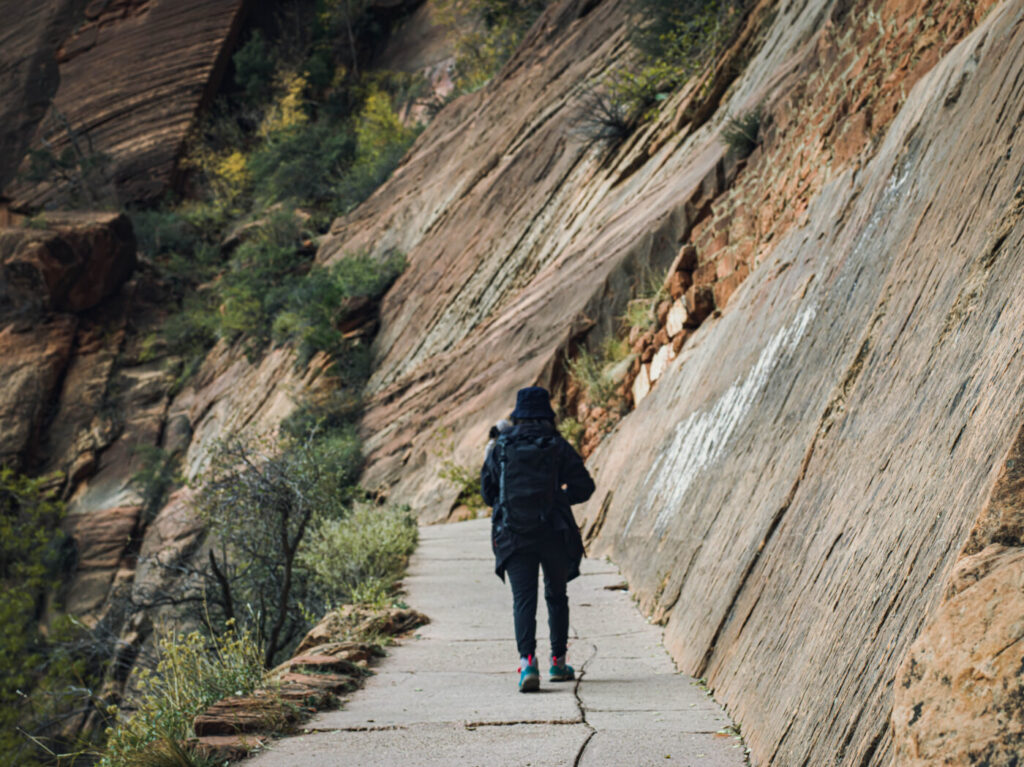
(45,674)
(688,34)
(602,119)
(589,370)
(315,303)
(467,479)
(356,558)
(674,40)
(571,430)
(381,143)
(254,66)
(29,556)
(162,231)
(260,500)
(192,330)
(304,163)
(262,273)
(192,672)
(337,408)
(486,34)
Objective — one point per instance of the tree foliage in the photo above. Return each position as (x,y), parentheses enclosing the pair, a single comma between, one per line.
(40,676)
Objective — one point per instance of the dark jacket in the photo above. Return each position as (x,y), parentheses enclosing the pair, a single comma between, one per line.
(576,487)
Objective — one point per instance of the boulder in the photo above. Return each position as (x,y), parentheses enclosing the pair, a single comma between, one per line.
(67,262)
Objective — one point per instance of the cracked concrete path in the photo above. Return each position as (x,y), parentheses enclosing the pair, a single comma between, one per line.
(448,696)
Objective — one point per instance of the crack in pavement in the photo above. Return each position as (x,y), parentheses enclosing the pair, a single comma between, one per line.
(579,701)
(447,703)
(477,725)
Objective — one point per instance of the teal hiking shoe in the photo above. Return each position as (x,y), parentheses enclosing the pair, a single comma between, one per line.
(529,676)
(561,671)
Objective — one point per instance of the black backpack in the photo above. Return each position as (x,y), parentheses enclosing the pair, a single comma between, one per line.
(528,487)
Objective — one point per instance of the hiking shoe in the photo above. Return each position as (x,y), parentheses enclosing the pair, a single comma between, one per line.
(561,671)
(529,676)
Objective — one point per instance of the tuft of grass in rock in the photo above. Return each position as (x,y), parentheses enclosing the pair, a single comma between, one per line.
(742,134)
(571,430)
(602,119)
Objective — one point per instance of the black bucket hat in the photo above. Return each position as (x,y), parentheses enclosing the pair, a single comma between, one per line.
(533,402)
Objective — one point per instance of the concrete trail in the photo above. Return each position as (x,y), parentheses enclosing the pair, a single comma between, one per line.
(448,697)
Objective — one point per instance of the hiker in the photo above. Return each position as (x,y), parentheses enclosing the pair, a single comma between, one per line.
(530,478)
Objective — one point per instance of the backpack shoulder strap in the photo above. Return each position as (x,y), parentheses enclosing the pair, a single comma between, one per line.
(500,448)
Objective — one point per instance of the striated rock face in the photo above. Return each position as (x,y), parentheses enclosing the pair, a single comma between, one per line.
(29,39)
(960,690)
(814,460)
(816,435)
(132,76)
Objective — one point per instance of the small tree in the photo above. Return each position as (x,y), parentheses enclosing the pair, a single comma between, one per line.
(260,501)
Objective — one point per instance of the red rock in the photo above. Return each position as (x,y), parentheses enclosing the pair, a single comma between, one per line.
(228,747)
(158,61)
(959,693)
(677,284)
(705,273)
(686,261)
(700,302)
(72,265)
(256,713)
(724,289)
(292,683)
(662,311)
(31,366)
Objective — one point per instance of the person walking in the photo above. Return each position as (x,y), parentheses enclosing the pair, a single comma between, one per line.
(530,478)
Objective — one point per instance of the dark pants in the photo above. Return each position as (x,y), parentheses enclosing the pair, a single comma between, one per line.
(521,569)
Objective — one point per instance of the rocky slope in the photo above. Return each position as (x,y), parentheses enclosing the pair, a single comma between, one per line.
(122,81)
(817,488)
(791,496)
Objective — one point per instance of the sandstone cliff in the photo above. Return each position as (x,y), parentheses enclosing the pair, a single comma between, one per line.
(791,496)
(817,489)
(113,87)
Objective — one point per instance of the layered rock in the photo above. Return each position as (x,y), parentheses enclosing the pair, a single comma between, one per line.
(132,77)
(48,279)
(29,39)
(815,459)
(960,690)
(800,472)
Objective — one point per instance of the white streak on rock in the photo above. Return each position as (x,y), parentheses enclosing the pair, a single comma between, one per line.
(702,438)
